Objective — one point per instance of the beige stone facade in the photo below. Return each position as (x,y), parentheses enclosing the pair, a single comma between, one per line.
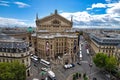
(54,37)
(117,54)
(101,43)
(15,50)
(108,49)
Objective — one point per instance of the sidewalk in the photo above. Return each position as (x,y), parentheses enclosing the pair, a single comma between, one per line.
(70,77)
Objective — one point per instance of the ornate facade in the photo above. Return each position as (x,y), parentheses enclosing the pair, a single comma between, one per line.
(104,42)
(54,37)
(12,49)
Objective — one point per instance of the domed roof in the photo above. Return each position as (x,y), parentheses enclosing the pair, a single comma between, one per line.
(29,29)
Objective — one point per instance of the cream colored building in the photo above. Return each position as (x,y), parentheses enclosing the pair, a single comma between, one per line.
(117,54)
(104,42)
(12,49)
(54,37)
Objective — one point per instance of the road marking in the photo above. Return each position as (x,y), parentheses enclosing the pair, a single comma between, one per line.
(84,61)
(94,73)
(60,73)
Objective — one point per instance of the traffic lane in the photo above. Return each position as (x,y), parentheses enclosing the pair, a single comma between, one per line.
(34,72)
(86,57)
(64,73)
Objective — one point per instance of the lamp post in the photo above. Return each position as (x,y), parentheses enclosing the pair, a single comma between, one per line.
(90,65)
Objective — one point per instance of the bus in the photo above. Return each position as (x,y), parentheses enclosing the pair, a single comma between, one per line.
(44,62)
(80,52)
(80,47)
(87,51)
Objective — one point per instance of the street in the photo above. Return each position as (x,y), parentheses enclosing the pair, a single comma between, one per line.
(87,66)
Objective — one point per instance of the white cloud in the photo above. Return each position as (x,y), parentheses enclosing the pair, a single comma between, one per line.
(11,22)
(98,5)
(4,3)
(84,19)
(114,8)
(88,8)
(21,4)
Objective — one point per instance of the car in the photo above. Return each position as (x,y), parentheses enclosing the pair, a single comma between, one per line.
(33,58)
(44,69)
(46,78)
(31,54)
(67,66)
(79,63)
(73,65)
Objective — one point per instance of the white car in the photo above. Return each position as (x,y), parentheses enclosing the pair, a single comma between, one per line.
(34,58)
(44,69)
(67,66)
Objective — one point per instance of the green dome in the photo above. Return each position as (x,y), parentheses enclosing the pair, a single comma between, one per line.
(29,29)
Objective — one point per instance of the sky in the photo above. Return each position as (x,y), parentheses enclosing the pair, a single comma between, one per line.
(86,13)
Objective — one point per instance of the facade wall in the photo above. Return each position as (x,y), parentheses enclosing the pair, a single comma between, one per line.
(57,46)
(23,58)
(16,52)
(52,39)
(10,57)
(108,49)
(117,55)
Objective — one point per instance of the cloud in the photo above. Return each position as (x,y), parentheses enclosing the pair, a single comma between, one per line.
(4,3)
(98,5)
(11,22)
(84,19)
(21,4)
(114,8)
(112,1)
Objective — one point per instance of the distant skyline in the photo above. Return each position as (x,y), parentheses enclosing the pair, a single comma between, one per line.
(86,13)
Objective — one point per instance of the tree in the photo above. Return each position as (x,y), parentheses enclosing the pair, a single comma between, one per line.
(111,63)
(12,71)
(100,60)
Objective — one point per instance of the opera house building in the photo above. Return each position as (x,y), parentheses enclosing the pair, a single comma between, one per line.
(54,37)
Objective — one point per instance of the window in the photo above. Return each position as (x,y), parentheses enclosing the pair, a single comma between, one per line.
(10,55)
(21,55)
(7,60)
(56,44)
(51,46)
(27,59)
(103,50)
(22,60)
(3,60)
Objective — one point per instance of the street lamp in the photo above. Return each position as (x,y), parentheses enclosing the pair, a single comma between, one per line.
(90,65)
